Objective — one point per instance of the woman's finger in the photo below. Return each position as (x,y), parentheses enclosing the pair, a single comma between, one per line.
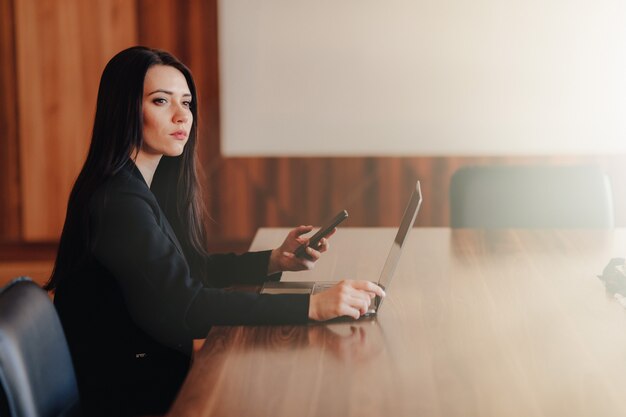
(300,230)
(313,254)
(367,286)
(308,265)
(298,264)
(323,245)
(347,310)
(361,304)
(354,298)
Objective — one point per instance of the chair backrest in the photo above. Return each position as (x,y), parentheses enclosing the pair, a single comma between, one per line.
(36,372)
(531,196)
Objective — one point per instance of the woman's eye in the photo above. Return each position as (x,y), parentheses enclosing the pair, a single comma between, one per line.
(159,101)
(187,104)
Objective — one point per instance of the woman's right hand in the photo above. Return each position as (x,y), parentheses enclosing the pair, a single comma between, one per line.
(347,298)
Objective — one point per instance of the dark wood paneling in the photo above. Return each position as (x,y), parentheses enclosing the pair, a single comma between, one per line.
(9,167)
(257,192)
(20,251)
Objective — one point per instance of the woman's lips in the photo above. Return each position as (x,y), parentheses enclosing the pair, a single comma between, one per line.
(179,134)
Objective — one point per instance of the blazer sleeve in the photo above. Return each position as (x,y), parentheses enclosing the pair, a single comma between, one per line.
(248,268)
(161,295)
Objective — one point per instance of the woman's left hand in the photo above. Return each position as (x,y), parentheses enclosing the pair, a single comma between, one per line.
(283,258)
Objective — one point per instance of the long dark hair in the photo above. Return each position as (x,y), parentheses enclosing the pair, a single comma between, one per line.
(117,132)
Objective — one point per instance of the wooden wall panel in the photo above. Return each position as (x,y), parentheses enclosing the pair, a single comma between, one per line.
(61,48)
(256,192)
(9,164)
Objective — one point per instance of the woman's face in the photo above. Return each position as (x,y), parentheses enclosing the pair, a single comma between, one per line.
(167,116)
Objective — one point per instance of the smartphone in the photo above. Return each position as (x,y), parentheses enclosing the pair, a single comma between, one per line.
(315,239)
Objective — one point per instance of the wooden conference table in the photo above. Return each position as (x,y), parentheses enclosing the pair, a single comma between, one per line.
(476,323)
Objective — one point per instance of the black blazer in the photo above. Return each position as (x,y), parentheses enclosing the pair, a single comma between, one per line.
(131,312)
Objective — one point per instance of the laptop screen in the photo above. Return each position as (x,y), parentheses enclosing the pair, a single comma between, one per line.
(408,219)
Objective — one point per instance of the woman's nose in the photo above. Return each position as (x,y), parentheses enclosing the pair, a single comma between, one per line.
(181,116)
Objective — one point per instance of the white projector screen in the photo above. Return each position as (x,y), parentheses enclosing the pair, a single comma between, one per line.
(418,77)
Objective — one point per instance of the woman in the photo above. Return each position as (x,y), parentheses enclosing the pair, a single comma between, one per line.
(133,283)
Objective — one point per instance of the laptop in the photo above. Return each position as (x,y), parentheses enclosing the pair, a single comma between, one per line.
(310,287)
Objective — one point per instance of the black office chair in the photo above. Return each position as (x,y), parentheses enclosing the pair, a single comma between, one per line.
(36,373)
(531,196)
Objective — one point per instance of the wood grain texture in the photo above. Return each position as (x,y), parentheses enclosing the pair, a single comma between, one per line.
(476,323)
(10,220)
(61,50)
(249,193)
